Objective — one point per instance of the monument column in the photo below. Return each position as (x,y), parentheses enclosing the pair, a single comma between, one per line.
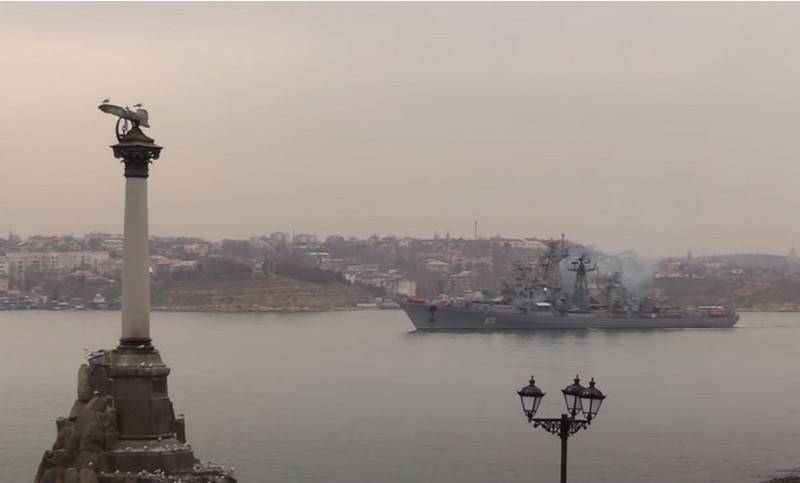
(122,428)
(136,150)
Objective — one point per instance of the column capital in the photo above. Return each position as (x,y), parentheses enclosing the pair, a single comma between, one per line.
(137,151)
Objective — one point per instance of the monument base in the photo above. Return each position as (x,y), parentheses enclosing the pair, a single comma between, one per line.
(122,428)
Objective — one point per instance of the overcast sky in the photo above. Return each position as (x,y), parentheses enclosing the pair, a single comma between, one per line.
(658,127)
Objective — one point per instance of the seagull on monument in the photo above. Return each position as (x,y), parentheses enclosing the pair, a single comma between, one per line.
(106,100)
(138,105)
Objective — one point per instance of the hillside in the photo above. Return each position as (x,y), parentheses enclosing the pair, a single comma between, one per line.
(269,294)
(773,293)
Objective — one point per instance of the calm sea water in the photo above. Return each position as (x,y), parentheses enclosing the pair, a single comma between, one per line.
(357,397)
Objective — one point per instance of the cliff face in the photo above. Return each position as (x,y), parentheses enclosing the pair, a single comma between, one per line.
(271,293)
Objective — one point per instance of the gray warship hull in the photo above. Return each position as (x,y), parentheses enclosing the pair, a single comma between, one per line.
(451,318)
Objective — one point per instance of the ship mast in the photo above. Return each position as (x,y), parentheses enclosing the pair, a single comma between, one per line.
(581,268)
(555,252)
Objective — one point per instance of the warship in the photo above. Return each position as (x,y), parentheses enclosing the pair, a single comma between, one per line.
(534,299)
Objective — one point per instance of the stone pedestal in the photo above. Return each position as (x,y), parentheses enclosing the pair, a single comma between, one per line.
(123,429)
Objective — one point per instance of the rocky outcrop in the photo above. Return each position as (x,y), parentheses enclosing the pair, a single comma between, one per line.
(122,428)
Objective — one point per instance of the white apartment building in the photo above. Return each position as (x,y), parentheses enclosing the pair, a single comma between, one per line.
(407,288)
(301,238)
(113,244)
(17,263)
(200,249)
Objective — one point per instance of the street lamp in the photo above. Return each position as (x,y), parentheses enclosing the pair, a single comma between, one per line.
(577,399)
(572,396)
(591,399)
(531,396)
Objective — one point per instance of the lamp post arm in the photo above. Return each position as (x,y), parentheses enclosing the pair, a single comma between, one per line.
(564,426)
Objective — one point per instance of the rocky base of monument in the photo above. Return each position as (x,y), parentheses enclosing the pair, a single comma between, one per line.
(122,428)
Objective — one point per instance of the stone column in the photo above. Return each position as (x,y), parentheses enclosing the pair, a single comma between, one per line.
(136,150)
(136,264)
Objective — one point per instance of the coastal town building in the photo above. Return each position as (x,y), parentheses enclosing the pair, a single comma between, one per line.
(406,288)
(437,266)
(302,238)
(460,283)
(320,260)
(19,263)
(199,249)
(280,237)
(334,239)
(362,268)
(161,265)
(105,241)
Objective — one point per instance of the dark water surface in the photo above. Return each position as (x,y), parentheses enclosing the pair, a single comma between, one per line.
(356,397)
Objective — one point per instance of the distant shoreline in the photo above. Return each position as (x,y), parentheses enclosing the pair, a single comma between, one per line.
(221,310)
(287,310)
(774,311)
(293,310)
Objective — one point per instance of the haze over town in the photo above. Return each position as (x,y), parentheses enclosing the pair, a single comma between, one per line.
(658,127)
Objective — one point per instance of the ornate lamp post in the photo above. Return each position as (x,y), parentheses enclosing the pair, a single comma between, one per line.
(577,399)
